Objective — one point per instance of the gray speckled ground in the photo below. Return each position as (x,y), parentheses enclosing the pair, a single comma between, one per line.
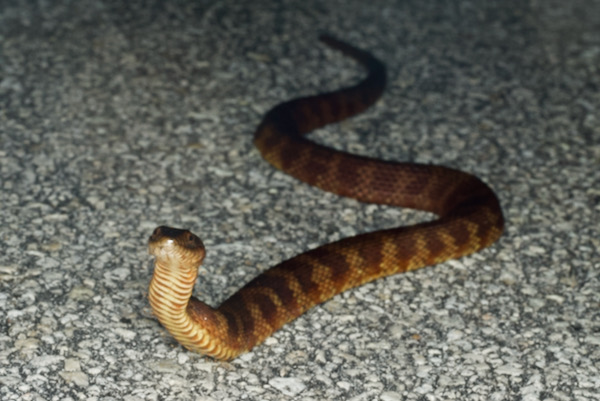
(114,119)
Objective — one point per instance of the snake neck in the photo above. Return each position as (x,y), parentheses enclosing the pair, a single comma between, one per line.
(194,324)
(169,294)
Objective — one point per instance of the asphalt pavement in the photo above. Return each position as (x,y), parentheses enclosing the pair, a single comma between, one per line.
(117,117)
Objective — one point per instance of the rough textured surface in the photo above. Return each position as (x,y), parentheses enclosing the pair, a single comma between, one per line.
(115,119)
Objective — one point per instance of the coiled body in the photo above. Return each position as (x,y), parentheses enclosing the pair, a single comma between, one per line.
(469,219)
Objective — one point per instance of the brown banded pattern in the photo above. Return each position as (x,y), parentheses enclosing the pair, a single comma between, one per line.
(469,219)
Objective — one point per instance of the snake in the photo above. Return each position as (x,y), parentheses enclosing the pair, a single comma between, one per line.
(469,218)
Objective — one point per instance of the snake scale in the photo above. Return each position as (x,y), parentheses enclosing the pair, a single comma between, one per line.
(469,219)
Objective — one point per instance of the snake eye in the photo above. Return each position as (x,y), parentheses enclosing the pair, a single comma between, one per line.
(155,234)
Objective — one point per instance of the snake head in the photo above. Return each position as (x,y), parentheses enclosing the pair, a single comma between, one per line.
(178,247)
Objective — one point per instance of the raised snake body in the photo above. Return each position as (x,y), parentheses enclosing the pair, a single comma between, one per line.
(469,213)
